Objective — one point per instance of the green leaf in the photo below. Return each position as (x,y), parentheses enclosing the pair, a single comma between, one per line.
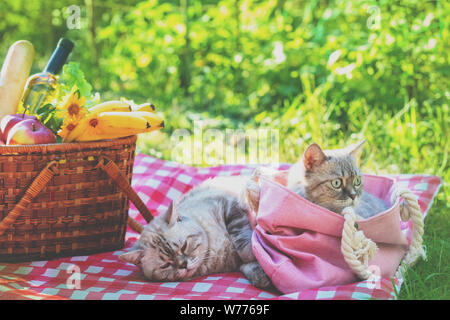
(73,75)
(45,109)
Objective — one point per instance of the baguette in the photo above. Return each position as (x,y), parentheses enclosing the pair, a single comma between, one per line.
(13,76)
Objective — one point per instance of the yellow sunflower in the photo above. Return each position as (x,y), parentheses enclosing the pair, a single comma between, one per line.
(73,106)
(69,124)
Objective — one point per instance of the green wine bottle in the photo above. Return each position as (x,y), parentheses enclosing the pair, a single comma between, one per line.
(40,87)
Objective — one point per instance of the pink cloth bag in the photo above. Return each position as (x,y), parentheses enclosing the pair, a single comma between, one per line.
(298,243)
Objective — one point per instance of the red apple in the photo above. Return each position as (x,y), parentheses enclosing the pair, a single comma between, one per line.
(30,131)
(9,121)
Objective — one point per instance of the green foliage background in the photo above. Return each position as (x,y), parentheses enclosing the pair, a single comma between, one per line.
(332,72)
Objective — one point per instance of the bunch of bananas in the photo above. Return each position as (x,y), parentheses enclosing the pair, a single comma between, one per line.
(116,119)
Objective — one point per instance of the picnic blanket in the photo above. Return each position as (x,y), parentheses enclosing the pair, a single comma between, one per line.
(158,183)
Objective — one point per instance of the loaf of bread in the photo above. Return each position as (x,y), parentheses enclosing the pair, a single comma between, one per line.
(14,75)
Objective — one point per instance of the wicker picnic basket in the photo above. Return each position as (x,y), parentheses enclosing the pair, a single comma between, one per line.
(66,199)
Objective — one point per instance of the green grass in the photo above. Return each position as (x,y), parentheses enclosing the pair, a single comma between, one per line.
(430,279)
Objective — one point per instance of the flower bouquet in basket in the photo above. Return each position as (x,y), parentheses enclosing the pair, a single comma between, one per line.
(66,159)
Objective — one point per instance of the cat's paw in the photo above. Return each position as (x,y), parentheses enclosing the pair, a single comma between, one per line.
(252,191)
(256,275)
(252,187)
(249,201)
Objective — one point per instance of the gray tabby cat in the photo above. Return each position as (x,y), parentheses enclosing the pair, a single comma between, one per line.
(332,179)
(329,178)
(206,232)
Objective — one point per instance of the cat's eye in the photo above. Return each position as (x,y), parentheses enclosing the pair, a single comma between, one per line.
(336,183)
(164,266)
(357,181)
(183,248)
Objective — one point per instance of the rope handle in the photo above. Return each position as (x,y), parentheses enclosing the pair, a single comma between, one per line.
(410,209)
(359,250)
(113,171)
(355,247)
(33,190)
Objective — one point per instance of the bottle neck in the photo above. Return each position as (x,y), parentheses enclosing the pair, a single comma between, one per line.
(59,56)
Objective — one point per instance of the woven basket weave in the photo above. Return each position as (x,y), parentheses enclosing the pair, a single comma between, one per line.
(65,199)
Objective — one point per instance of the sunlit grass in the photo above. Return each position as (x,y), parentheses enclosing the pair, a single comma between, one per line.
(430,279)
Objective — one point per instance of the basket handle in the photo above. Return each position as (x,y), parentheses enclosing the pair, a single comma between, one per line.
(33,190)
(113,171)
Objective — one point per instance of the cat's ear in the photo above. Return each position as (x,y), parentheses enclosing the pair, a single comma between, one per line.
(133,256)
(313,156)
(355,150)
(170,216)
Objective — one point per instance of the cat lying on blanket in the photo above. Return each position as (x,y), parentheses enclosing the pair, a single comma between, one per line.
(209,229)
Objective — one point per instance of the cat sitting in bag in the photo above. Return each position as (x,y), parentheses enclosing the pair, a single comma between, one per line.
(329,178)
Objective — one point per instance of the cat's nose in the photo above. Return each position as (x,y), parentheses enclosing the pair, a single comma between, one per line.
(352,196)
(182,262)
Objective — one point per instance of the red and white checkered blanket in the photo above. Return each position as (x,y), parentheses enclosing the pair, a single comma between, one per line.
(158,182)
